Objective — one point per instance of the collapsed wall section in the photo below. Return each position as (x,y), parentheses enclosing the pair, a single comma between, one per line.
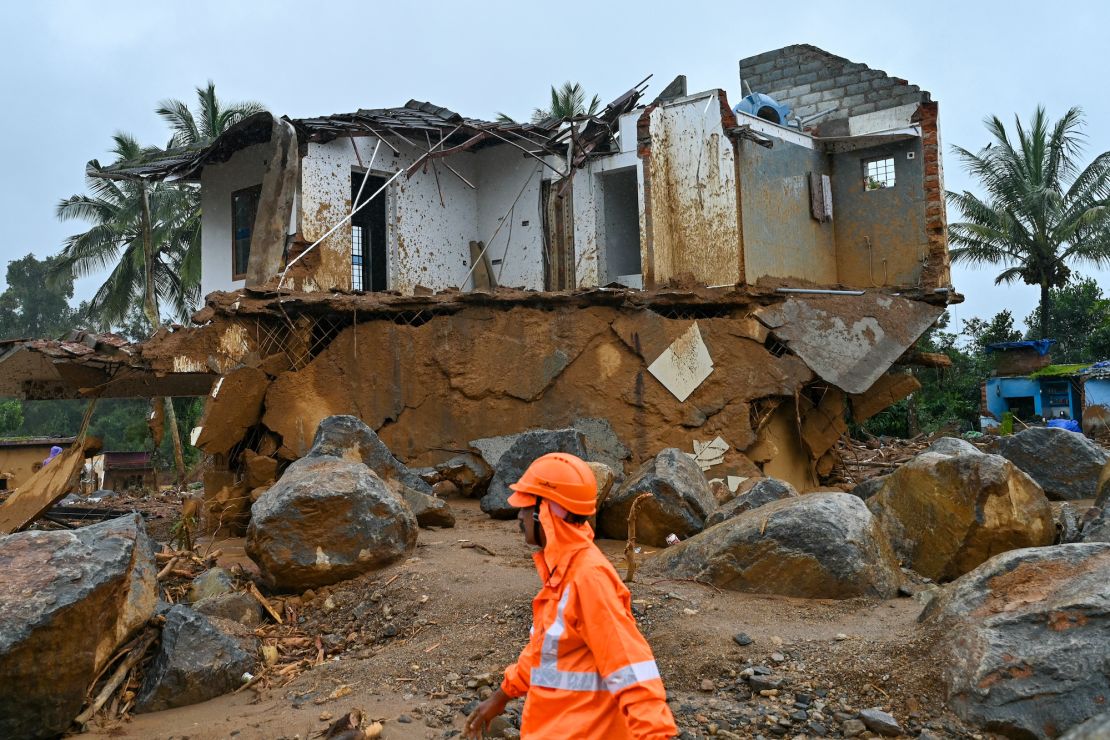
(752,371)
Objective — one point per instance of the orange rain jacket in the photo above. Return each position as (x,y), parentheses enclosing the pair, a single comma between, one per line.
(587,670)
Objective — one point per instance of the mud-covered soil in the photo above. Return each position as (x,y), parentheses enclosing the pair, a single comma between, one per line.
(417,644)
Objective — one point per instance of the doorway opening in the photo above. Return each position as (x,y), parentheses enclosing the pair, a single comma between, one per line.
(621,227)
(368,246)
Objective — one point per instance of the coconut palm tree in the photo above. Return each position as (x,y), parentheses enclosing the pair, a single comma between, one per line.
(115,241)
(1042,212)
(567,101)
(212,116)
(150,232)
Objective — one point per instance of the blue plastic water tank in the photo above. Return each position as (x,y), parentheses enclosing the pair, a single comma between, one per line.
(765,107)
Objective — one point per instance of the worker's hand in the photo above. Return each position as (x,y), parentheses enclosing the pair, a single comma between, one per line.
(478,721)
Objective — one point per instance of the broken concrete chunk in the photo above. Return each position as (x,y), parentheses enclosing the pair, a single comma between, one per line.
(849,341)
(708,454)
(946,514)
(888,390)
(1024,653)
(349,438)
(817,546)
(1066,464)
(233,407)
(326,520)
(679,503)
(68,600)
(512,463)
(195,662)
(258,470)
(763,492)
(684,365)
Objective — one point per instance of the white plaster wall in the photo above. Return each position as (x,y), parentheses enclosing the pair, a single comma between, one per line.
(504,172)
(217,182)
(429,241)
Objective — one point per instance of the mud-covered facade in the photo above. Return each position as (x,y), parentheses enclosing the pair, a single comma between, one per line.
(683,270)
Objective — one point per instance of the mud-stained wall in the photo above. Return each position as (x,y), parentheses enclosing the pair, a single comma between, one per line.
(782,239)
(880,234)
(244,169)
(692,213)
(484,372)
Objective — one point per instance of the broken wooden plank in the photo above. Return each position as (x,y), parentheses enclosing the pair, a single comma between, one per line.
(42,490)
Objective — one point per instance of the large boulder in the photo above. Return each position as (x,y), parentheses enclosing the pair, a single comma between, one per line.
(946,514)
(763,492)
(680,500)
(349,438)
(515,459)
(1096,728)
(818,546)
(1024,639)
(68,600)
(195,662)
(1065,464)
(327,520)
(953,446)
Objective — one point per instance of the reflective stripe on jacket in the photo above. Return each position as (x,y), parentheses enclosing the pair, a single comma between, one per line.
(587,671)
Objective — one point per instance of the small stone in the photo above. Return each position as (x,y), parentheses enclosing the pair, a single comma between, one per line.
(742,639)
(776,640)
(853,727)
(708,685)
(879,721)
(840,636)
(689,612)
(816,728)
(329,604)
(799,716)
(778,657)
(404,719)
(762,683)
(325,716)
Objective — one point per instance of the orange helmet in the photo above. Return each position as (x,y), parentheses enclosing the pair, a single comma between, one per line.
(560,477)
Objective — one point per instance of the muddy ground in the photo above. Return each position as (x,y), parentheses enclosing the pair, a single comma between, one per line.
(416,644)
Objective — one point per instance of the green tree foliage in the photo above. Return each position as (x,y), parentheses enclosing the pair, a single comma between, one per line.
(115,241)
(31,307)
(567,101)
(1081,316)
(983,333)
(11,418)
(210,119)
(1042,211)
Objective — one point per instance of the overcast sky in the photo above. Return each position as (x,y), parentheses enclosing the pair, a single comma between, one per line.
(77,71)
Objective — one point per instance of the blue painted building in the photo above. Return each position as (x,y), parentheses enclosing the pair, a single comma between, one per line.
(1027,384)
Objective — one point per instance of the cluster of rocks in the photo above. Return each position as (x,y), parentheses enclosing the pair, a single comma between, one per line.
(69,600)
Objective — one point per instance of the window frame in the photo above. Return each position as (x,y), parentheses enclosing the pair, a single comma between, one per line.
(255,190)
(865,161)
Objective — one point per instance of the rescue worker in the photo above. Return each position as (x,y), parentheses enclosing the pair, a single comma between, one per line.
(587,671)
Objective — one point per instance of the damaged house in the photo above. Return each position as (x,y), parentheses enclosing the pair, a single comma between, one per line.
(754,267)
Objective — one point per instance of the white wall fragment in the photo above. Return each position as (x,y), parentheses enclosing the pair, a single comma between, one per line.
(684,365)
(708,454)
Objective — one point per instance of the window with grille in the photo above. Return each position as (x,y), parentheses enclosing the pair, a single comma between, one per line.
(244,207)
(356,257)
(878,173)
